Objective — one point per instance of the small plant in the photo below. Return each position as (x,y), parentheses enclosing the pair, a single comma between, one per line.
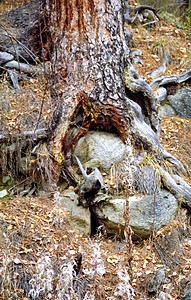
(180,26)
(189,20)
(178,22)
(166,16)
(147,160)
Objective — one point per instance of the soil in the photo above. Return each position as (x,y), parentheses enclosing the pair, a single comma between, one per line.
(35,231)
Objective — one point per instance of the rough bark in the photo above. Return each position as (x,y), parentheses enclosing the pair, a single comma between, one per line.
(90,55)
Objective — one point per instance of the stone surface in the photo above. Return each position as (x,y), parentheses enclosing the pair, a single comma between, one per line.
(142,213)
(181,102)
(3,193)
(113,211)
(100,149)
(80,220)
(146,212)
(68,198)
(166,111)
(79,216)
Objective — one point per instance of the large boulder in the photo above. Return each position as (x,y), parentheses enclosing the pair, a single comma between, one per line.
(147,212)
(151,212)
(100,149)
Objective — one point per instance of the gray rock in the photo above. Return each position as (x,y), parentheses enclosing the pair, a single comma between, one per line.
(100,149)
(79,216)
(68,198)
(144,213)
(113,211)
(187,295)
(3,193)
(156,282)
(166,111)
(181,102)
(80,220)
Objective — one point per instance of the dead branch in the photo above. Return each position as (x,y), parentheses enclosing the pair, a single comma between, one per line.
(34,135)
(136,11)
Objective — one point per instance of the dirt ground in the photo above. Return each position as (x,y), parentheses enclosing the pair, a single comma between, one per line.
(37,228)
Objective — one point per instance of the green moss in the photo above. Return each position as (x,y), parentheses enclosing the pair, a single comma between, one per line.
(128,79)
(60,158)
(89,111)
(147,160)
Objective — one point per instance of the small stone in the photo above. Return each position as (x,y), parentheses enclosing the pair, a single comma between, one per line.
(5,179)
(156,282)
(3,193)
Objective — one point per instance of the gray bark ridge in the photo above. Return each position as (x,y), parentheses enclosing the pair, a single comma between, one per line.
(171,79)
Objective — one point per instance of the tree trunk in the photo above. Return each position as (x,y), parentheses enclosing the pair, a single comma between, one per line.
(90,55)
(95,82)
(94,79)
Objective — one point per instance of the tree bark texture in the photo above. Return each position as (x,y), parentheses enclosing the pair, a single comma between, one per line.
(89,57)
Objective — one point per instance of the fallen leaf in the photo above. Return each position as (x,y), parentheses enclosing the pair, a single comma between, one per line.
(17,261)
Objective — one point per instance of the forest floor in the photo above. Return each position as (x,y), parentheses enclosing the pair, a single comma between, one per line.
(36,239)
